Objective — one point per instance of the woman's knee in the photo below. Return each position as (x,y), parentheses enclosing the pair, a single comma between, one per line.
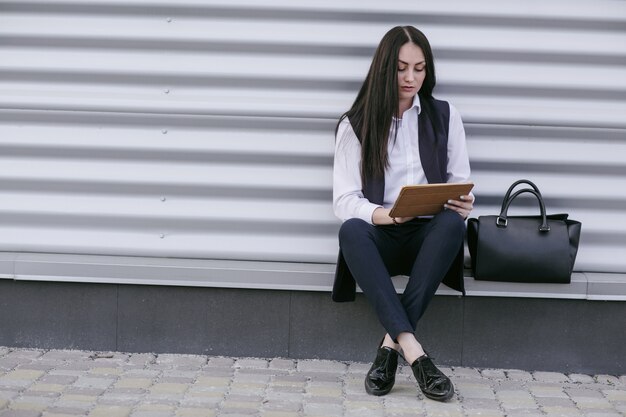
(353,229)
(451,223)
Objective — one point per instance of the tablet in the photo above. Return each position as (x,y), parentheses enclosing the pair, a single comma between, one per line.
(427,199)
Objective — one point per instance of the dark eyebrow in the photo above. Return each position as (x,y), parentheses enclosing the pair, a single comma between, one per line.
(406,63)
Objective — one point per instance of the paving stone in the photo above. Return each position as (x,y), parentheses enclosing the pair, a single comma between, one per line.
(195,412)
(581,379)
(142,359)
(93,382)
(284,396)
(620,407)
(559,411)
(364,413)
(105,371)
(19,413)
(321,391)
(291,379)
(167,388)
(110,411)
(523,412)
(480,404)
(475,390)
(141,373)
(68,411)
(584,393)
(216,372)
(484,413)
(246,387)
(282,364)
(41,387)
(58,379)
(516,400)
(251,363)
(118,400)
(212,381)
(615,395)
(8,395)
(285,406)
(25,354)
(318,409)
(181,360)
(622,379)
(461,372)
(133,383)
(607,379)
(554,402)
(603,414)
(7,364)
(359,368)
(27,374)
(31,403)
(518,375)
(220,362)
(316,365)
(493,373)
(509,385)
(36,366)
(251,377)
(18,384)
(275,413)
(548,391)
(555,377)
(65,355)
(152,414)
(155,407)
(203,402)
(592,403)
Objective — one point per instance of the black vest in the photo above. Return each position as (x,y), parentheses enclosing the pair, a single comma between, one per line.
(433,125)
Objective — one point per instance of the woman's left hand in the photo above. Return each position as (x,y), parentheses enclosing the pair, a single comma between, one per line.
(463,206)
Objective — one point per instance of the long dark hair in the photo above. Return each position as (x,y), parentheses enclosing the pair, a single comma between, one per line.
(372,112)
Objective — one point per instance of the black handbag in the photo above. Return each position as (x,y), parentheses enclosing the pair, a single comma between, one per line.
(523,248)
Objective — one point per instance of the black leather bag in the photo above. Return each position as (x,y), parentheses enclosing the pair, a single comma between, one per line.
(523,248)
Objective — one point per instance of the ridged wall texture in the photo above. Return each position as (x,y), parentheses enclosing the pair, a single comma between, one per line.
(205,129)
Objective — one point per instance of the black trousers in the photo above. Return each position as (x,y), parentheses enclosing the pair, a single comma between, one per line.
(423,249)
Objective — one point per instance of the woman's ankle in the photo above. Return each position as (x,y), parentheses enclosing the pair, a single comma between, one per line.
(411,348)
(388,342)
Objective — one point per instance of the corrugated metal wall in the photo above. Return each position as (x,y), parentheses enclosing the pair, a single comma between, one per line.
(204,129)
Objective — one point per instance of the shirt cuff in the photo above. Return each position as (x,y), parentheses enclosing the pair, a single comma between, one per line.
(366,211)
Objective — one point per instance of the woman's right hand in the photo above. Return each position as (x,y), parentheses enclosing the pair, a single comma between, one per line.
(381,217)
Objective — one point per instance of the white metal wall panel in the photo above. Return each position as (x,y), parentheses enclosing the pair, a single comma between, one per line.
(204,129)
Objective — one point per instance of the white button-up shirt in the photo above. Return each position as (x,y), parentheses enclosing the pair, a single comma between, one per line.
(405,167)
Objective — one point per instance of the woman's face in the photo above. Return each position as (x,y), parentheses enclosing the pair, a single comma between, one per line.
(411,71)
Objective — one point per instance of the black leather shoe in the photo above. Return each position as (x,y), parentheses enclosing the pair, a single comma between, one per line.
(433,383)
(382,375)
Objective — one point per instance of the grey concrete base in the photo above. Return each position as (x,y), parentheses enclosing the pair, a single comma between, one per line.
(523,333)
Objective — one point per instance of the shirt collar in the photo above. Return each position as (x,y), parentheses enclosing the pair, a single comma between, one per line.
(415,105)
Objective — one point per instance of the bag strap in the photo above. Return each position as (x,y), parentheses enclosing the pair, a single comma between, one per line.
(501,220)
(515,184)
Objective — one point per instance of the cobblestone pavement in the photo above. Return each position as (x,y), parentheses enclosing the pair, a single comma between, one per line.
(55,383)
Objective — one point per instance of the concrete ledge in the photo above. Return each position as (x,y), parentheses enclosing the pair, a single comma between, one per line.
(564,335)
(267,275)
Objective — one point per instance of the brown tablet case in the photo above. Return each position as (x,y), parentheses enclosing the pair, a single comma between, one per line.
(427,199)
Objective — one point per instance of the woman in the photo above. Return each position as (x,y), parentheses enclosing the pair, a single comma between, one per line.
(397,134)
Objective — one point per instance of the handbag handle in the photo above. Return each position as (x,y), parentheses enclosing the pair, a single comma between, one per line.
(501,220)
(515,184)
